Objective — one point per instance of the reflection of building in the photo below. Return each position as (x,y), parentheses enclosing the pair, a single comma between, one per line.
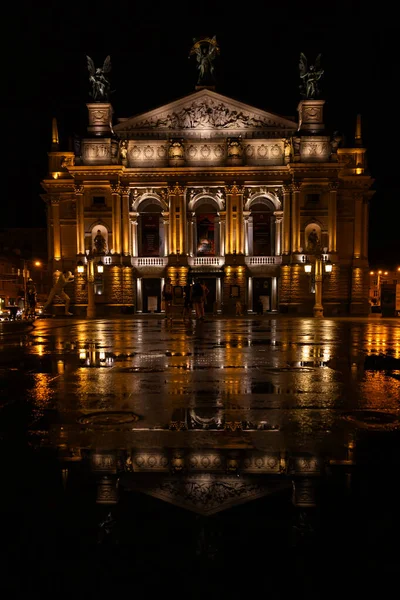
(182,202)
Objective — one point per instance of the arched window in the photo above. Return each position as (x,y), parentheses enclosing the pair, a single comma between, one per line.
(262,214)
(205,230)
(149,239)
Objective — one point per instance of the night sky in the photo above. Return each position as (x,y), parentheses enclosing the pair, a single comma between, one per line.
(47,77)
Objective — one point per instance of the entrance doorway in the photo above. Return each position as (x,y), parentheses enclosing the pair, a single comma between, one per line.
(262,293)
(211,284)
(151,293)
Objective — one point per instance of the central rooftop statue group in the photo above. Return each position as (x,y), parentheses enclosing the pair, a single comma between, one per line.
(205,50)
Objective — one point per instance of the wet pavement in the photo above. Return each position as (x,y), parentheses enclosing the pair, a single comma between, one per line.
(234,450)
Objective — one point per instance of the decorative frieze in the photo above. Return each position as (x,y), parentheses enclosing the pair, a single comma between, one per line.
(96,151)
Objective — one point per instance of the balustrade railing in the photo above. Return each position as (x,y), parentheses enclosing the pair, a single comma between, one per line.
(263,260)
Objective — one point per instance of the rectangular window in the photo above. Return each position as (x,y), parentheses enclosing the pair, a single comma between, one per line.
(99,201)
(312,198)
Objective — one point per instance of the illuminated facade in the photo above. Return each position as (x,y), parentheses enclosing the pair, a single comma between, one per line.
(212,187)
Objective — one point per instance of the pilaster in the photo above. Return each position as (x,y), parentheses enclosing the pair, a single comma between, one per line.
(296,187)
(125,221)
(286,220)
(332,216)
(278,232)
(80,219)
(55,211)
(116,217)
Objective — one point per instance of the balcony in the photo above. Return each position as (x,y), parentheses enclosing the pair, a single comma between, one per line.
(150,261)
(206,261)
(252,261)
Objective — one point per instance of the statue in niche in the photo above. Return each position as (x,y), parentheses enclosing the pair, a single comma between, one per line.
(309,77)
(99,243)
(123,150)
(100,86)
(313,241)
(205,49)
(287,150)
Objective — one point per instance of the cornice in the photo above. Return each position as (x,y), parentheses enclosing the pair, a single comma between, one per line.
(89,169)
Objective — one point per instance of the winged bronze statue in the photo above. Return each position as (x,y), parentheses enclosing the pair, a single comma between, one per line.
(100,86)
(205,49)
(310,75)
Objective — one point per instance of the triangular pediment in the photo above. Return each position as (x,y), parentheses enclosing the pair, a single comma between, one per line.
(208,494)
(206,113)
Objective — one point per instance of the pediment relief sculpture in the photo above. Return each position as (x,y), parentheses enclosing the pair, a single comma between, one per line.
(204,114)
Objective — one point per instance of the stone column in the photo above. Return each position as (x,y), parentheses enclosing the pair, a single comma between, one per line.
(172,192)
(286,220)
(55,211)
(239,220)
(116,220)
(180,219)
(332,216)
(229,242)
(176,196)
(217,236)
(191,226)
(247,217)
(222,235)
(135,245)
(125,221)
(167,233)
(161,230)
(184,225)
(80,220)
(296,217)
(278,232)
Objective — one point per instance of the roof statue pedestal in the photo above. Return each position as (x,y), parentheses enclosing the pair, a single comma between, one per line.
(313,145)
(100,118)
(311,120)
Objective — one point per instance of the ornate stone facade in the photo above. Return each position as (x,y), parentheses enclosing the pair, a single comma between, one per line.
(208,186)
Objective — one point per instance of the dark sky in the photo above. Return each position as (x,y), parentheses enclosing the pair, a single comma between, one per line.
(149,45)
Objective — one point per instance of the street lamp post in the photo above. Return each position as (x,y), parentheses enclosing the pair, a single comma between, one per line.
(320,267)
